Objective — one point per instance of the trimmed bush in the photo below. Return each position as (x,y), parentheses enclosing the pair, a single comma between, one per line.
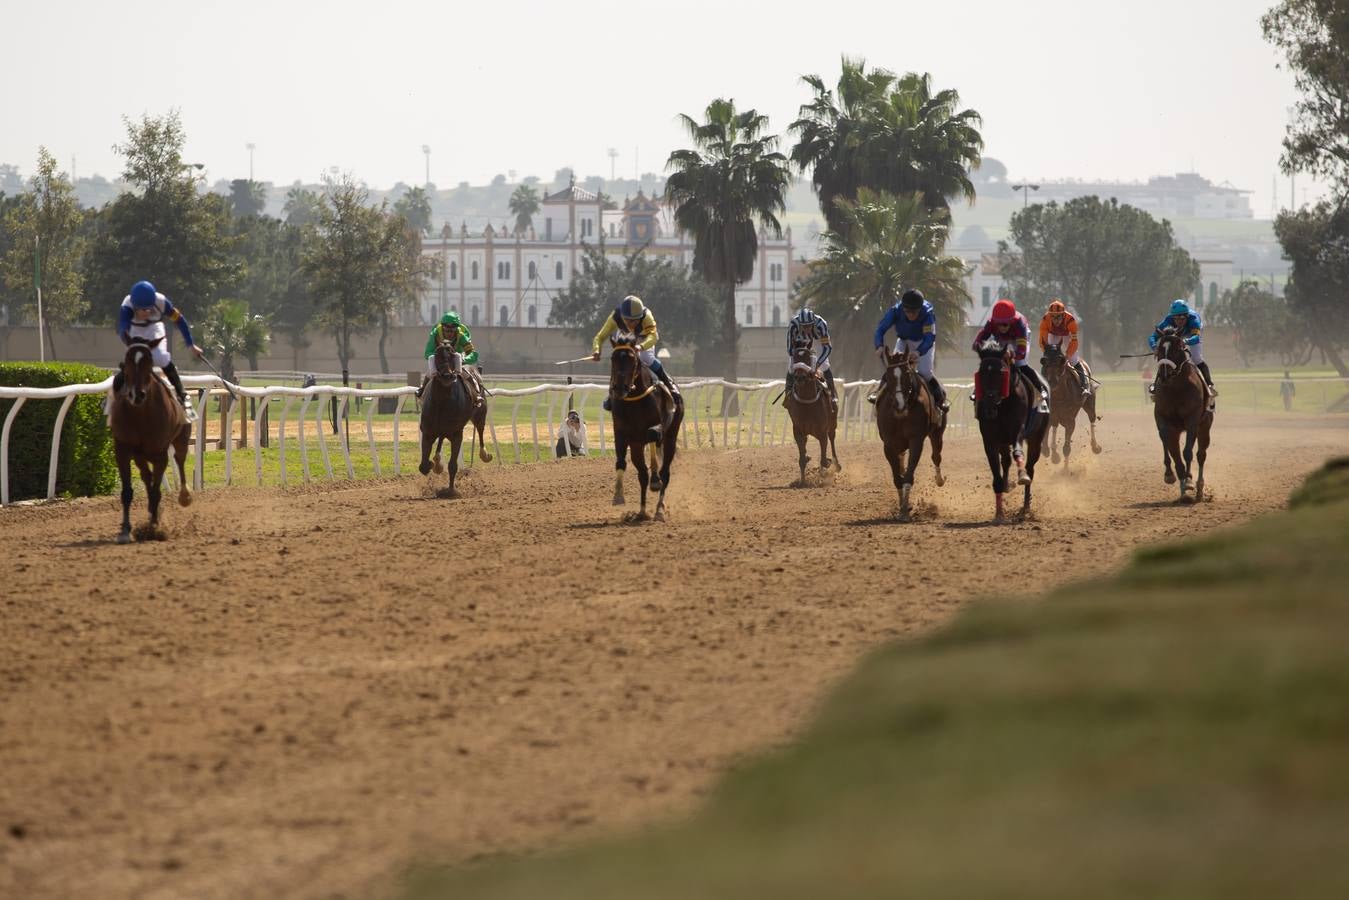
(86,465)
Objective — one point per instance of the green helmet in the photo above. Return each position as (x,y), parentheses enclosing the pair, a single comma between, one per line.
(450,318)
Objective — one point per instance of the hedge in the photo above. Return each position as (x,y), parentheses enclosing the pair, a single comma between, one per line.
(86,465)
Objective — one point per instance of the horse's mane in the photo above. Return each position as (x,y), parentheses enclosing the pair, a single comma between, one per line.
(990,346)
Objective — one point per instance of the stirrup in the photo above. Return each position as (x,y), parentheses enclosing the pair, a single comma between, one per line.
(872,398)
(188,412)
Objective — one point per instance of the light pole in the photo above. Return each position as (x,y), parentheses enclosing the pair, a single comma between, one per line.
(613,155)
(251,147)
(426,149)
(1025,190)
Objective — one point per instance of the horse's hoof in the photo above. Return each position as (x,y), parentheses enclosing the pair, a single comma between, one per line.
(1022,478)
(618,501)
(1056,458)
(660,515)
(184,498)
(424,468)
(1095,448)
(124,537)
(447,493)
(1169,478)
(485,456)
(437,467)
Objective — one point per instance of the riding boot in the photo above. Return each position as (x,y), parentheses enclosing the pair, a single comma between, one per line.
(787,387)
(426,379)
(1208,379)
(171,372)
(1034,378)
(659,371)
(833,394)
(608,404)
(939,393)
(118,381)
(1083,377)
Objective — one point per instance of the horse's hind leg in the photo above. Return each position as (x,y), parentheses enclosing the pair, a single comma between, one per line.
(479,425)
(1050,444)
(179,458)
(935,439)
(456,444)
(1068,430)
(1032,457)
(1202,456)
(824,452)
(124,471)
(1090,407)
(653,464)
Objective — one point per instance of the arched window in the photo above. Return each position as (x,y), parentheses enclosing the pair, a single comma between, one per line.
(454,271)
(777,316)
(1199,294)
(558,269)
(533,315)
(1213,292)
(473,316)
(435,313)
(533,270)
(504,316)
(473,270)
(749,315)
(503,270)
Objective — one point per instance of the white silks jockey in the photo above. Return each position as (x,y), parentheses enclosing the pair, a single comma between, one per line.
(808,327)
(142,318)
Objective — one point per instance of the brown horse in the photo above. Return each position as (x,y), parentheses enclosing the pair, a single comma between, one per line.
(906,415)
(447,408)
(645,416)
(1066,400)
(1180,403)
(146,420)
(1005,407)
(811,409)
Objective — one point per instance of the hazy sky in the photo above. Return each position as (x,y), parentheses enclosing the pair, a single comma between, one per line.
(1067,88)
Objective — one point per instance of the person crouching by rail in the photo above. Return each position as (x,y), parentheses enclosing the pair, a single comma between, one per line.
(572,440)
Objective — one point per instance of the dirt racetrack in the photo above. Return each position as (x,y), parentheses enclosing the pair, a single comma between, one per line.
(303,690)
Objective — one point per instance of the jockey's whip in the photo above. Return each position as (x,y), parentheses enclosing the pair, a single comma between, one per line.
(567,362)
(221,377)
(1134,355)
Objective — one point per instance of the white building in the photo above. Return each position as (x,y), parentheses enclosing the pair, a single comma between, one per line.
(510,280)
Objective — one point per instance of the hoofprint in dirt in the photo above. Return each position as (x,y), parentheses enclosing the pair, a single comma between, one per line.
(303,690)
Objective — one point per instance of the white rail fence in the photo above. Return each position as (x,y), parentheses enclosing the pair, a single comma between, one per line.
(535,417)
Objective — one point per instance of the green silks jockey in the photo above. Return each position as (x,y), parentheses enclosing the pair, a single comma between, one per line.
(453,330)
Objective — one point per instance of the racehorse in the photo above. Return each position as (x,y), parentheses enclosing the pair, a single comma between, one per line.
(446,409)
(146,420)
(645,416)
(812,412)
(1066,400)
(906,415)
(1005,408)
(1180,403)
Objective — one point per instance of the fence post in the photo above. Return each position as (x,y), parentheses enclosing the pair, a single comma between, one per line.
(56,446)
(304,451)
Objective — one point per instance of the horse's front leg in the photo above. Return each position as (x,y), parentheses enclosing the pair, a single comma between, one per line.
(824,452)
(1164,435)
(935,438)
(1090,407)
(456,444)
(124,471)
(1203,455)
(915,456)
(998,461)
(179,458)
(1186,480)
(620,465)
(425,466)
(1019,457)
(802,459)
(1068,428)
(643,477)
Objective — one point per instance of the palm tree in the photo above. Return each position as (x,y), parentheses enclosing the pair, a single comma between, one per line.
(301,206)
(723,189)
(229,332)
(523,205)
(887,244)
(415,207)
(888,133)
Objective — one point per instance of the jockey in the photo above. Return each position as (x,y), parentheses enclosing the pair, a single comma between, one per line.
(1010,329)
(915,324)
(1058,327)
(1187,324)
(807,327)
(451,329)
(142,316)
(633,317)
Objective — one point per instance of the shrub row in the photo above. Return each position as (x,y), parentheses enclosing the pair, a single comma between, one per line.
(86,465)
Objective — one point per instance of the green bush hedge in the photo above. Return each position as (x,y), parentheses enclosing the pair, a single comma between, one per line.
(86,465)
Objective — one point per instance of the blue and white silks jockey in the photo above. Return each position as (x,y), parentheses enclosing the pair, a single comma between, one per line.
(1188,324)
(142,317)
(915,324)
(808,327)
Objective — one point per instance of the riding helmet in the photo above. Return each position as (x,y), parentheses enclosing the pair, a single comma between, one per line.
(1180,308)
(805,318)
(1056,307)
(450,318)
(913,299)
(1003,311)
(631,307)
(143,294)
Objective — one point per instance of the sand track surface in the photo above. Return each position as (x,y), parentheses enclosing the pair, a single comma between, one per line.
(303,690)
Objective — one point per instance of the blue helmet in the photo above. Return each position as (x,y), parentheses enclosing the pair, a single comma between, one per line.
(143,294)
(1179,308)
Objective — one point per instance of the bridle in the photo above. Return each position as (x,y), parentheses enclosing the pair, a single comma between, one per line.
(137,369)
(1166,366)
(625,391)
(447,361)
(904,367)
(802,370)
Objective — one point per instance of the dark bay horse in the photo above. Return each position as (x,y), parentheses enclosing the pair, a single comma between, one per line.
(1180,403)
(1007,420)
(446,409)
(1066,400)
(646,417)
(147,419)
(812,412)
(906,415)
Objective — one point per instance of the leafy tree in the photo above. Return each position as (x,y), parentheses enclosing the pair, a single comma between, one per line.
(344,257)
(164,231)
(1314,35)
(1316,240)
(885,132)
(409,271)
(524,205)
(302,206)
(686,306)
(45,225)
(247,198)
(728,185)
(8,299)
(290,305)
(415,207)
(886,245)
(1115,265)
(1262,324)
(228,332)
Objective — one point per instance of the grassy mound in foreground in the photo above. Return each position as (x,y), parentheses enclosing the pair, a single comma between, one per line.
(1181,731)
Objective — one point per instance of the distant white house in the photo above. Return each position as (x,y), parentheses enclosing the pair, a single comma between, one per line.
(510,280)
